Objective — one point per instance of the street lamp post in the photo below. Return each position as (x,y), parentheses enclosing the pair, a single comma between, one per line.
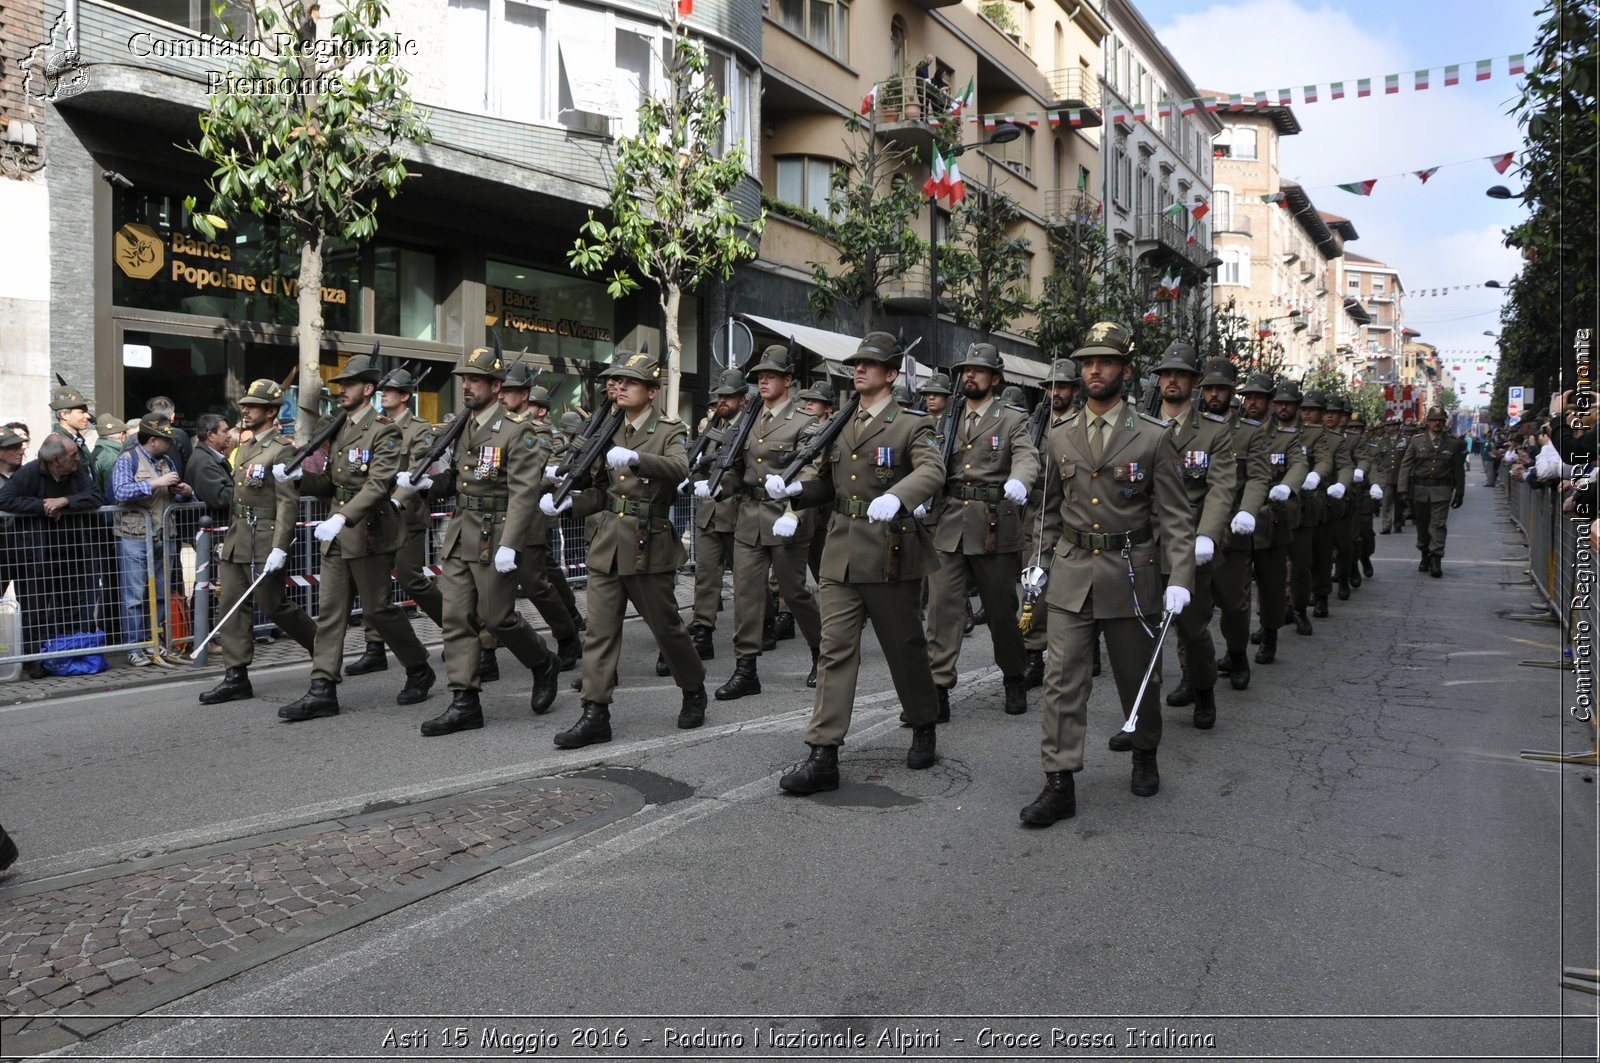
(1003,134)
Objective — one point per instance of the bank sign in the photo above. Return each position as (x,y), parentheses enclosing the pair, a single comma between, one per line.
(207,266)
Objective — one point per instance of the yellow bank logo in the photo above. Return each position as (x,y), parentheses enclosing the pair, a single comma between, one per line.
(138,251)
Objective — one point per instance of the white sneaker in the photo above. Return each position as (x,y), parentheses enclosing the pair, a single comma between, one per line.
(138,659)
(159,661)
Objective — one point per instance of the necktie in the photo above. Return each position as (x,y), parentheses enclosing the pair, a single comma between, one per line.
(1097,442)
(861,423)
(628,435)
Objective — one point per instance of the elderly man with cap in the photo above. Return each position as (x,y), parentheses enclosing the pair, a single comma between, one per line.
(1118,481)
(517,394)
(1287,404)
(714,519)
(1210,479)
(395,393)
(359,538)
(883,463)
(494,473)
(770,538)
(634,549)
(1433,475)
(979,536)
(1061,394)
(257,544)
(144,483)
(110,432)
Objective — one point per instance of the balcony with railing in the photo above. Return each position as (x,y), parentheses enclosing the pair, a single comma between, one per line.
(1074,87)
(1066,207)
(905,102)
(909,291)
(1158,232)
(1238,225)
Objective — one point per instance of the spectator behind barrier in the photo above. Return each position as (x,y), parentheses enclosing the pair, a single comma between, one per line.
(20,429)
(145,478)
(182,445)
(110,431)
(209,471)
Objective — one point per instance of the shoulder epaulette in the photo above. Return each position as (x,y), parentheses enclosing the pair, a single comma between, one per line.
(1248,421)
(514,418)
(1158,422)
(1220,418)
(384,418)
(924,413)
(669,421)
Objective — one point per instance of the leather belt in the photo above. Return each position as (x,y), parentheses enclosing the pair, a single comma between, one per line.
(851,507)
(241,511)
(1433,482)
(990,495)
(627,508)
(483,503)
(1108,540)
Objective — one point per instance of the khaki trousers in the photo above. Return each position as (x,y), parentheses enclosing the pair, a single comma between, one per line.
(1270,565)
(1193,627)
(1068,680)
(1230,590)
(1432,517)
(751,567)
(995,577)
(408,562)
(235,640)
(897,624)
(653,596)
(713,555)
(475,594)
(533,577)
(341,580)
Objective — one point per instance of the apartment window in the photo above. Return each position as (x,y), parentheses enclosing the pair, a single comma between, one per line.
(1222,209)
(195,15)
(1377,287)
(824,23)
(1017,156)
(1354,285)
(403,288)
(805,181)
(1237,142)
(467,50)
(1122,184)
(636,75)
(498,51)
(1235,268)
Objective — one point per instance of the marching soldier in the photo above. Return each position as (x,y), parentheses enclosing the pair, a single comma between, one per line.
(1328,505)
(714,521)
(1117,480)
(495,471)
(416,436)
(1254,458)
(72,418)
(1386,472)
(822,402)
(1210,477)
(359,539)
(979,536)
(1369,495)
(770,537)
(1286,404)
(1433,473)
(1277,512)
(258,538)
(1342,505)
(936,394)
(1061,392)
(878,469)
(634,550)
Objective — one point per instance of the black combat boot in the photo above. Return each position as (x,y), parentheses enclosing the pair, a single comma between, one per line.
(1238,670)
(546,677)
(1355,576)
(944,704)
(1016,695)
(1182,694)
(372,659)
(1288,614)
(488,666)
(1145,780)
(783,626)
(820,772)
(1319,607)
(1058,800)
(693,712)
(1422,563)
(570,652)
(1366,566)
(1435,565)
(8,850)
(968,624)
(463,714)
(700,635)
(321,700)
(593,727)
(743,681)
(419,681)
(1344,588)
(235,686)
(579,622)
(1205,709)
(1120,741)
(811,679)
(1034,676)
(1255,637)
(1269,648)
(924,747)
(769,633)
(662,667)
(1302,623)
(980,616)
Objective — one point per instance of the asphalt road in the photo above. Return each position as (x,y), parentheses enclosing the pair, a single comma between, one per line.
(1355,862)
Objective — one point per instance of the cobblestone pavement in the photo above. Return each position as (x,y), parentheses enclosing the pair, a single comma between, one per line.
(93,944)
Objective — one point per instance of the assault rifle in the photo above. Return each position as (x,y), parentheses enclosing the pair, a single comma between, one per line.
(1039,422)
(819,441)
(697,454)
(329,430)
(589,449)
(447,438)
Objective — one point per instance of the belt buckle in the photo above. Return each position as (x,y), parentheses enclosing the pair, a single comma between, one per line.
(250,516)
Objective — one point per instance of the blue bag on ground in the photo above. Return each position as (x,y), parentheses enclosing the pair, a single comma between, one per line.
(92,664)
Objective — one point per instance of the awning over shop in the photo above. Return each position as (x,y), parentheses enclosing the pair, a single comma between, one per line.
(835,347)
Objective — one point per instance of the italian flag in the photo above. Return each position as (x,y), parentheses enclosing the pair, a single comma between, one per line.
(954,189)
(1363,87)
(937,183)
(1391,83)
(1284,97)
(1515,66)
(1452,75)
(1199,210)
(1173,211)
(968,97)
(1311,93)
(1422,80)
(1484,69)
(870,100)
(1338,90)
(1360,188)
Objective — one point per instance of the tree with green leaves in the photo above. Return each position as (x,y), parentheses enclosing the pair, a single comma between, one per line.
(670,219)
(983,265)
(1448,399)
(872,201)
(1072,296)
(1555,294)
(307,130)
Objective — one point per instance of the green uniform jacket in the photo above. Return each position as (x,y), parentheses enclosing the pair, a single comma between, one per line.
(101,458)
(264,510)
(1210,471)
(496,473)
(1434,467)
(1288,458)
(976,518)
(416,436)
(771,446)
(1253,477)
(1135,488)
(1036,546)
(896,453)
(1319,452)
(716,514)
(363,461)
(1344,471)
(629,528)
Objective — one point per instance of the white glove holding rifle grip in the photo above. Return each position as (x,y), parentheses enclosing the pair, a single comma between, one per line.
(405,483)
(622,458)
(282,475)
(776,488)
(702,489)
(547,505)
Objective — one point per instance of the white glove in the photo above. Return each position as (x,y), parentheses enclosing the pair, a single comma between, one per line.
(1360,476)
(622,457)
(1205,548)
(275,560)
(1279,493)
(328,529)
(1313,481)
(551,474)
(702,489)
(1336,490)
(505,559)
(1015,492)
(921,510)
(283,476)
(776,488)
(884,507)
(548,507)
(784,527)
(1376,493)
(407,484)
(683,487)
(1176,599)
(1244,523)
